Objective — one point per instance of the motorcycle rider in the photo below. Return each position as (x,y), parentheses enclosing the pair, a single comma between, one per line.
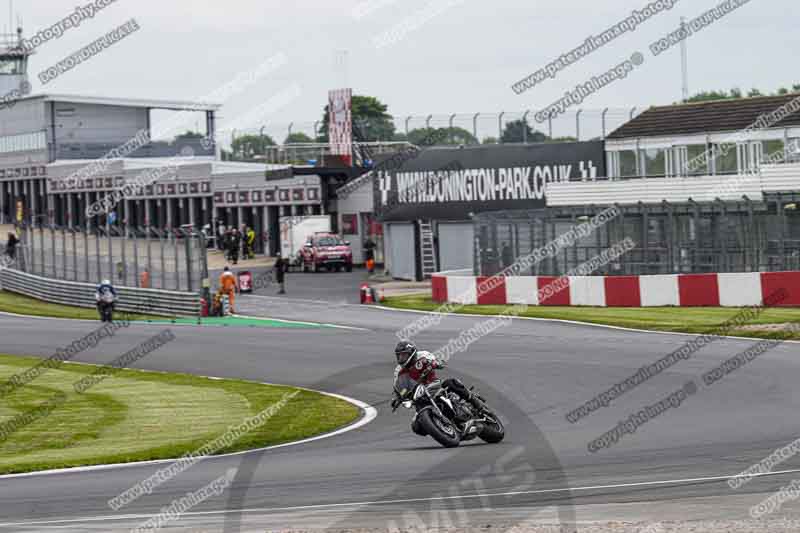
(105,294)
(420,366)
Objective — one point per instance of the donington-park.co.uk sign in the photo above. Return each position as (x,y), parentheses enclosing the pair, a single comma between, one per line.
(452,182)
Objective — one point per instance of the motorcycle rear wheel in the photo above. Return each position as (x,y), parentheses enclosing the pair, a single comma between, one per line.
(493,432)
(443,432)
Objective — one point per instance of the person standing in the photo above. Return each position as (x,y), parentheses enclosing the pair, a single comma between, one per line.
(144,279)
(11,246)
(221,236)
(280,270)
(250,238)
(507,255)
(243,241)
(369,255)
(227,285)
(227,239)
(236,241)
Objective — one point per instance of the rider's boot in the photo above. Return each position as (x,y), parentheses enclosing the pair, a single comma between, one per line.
(476,402)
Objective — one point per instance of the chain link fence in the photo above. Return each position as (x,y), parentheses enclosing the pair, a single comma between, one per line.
(140,257)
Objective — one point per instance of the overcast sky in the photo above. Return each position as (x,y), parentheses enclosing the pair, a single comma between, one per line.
(459,56)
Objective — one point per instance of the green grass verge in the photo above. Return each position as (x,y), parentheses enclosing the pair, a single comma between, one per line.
(138,415)
(679,319)
(11,302)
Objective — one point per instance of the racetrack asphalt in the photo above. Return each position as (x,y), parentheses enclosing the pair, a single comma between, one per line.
(382,475)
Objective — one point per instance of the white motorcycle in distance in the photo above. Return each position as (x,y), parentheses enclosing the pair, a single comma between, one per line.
(105,305)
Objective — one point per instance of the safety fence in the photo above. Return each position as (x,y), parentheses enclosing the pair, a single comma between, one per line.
(148,301)
(456,129)
(679,290)
(131,257)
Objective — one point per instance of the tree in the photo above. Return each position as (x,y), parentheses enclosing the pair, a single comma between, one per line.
(297,138)
(706,96)
(247,146)
(736,93)
(371,121)
(518,131)
(441,136)
(489,140)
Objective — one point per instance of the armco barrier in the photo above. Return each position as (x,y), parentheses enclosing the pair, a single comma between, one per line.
(680,290)
(148,301)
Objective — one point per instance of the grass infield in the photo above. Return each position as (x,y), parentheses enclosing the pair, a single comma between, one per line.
(137,415)
(695,320)
(11,302)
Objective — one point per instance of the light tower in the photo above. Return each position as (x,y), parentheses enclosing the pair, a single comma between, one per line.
(13,64)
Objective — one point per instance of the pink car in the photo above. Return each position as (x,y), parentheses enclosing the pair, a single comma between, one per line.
(326,250)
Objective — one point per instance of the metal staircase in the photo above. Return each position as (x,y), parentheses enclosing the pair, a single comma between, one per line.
(427,249)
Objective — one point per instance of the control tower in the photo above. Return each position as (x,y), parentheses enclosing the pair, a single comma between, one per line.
(13,64)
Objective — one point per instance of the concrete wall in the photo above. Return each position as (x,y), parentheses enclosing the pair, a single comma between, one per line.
(24,116)
(77,123)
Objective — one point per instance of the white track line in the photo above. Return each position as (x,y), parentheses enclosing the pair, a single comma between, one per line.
(339,326)
(565,321)
(330,506)
(161,322)
(370,413)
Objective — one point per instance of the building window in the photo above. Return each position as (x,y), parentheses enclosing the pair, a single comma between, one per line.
(349,224)
(773,151)
(654,162)
(793,150)
(627,164)
(698,158)
(13,66)
(725,161)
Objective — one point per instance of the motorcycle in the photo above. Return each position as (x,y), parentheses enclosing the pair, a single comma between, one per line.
(105,306)
(444,416)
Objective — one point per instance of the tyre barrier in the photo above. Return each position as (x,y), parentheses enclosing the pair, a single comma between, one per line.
(131,299)
(678,290)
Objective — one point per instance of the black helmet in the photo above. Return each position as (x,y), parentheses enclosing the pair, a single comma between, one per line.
(404,352)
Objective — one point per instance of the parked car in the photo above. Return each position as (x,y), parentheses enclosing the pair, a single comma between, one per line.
(326,250)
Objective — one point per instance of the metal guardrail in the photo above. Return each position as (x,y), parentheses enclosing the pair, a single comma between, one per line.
(149,301)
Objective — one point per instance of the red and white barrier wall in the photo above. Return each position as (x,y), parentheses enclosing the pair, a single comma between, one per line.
(680,290)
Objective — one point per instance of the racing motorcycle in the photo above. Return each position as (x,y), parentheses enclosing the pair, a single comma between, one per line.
(443,415)
(105,306)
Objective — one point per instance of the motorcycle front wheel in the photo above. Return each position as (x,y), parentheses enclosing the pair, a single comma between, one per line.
(443,431)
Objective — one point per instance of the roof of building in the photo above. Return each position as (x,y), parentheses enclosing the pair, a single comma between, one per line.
(709,117)
(177,105)
(235,173)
